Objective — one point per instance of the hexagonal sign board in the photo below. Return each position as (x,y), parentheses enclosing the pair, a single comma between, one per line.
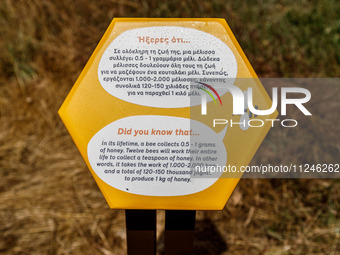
(159,115)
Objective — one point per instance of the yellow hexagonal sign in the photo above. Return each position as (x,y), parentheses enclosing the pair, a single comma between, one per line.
(161,102)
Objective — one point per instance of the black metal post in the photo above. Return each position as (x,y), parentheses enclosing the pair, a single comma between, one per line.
(141,232)
(179,232)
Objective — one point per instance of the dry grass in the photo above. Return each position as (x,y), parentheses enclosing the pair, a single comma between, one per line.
(50,204)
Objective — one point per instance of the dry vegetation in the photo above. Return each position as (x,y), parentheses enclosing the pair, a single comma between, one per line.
(50,204)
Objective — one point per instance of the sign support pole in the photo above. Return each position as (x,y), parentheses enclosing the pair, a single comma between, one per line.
(141,231)
(179,232)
